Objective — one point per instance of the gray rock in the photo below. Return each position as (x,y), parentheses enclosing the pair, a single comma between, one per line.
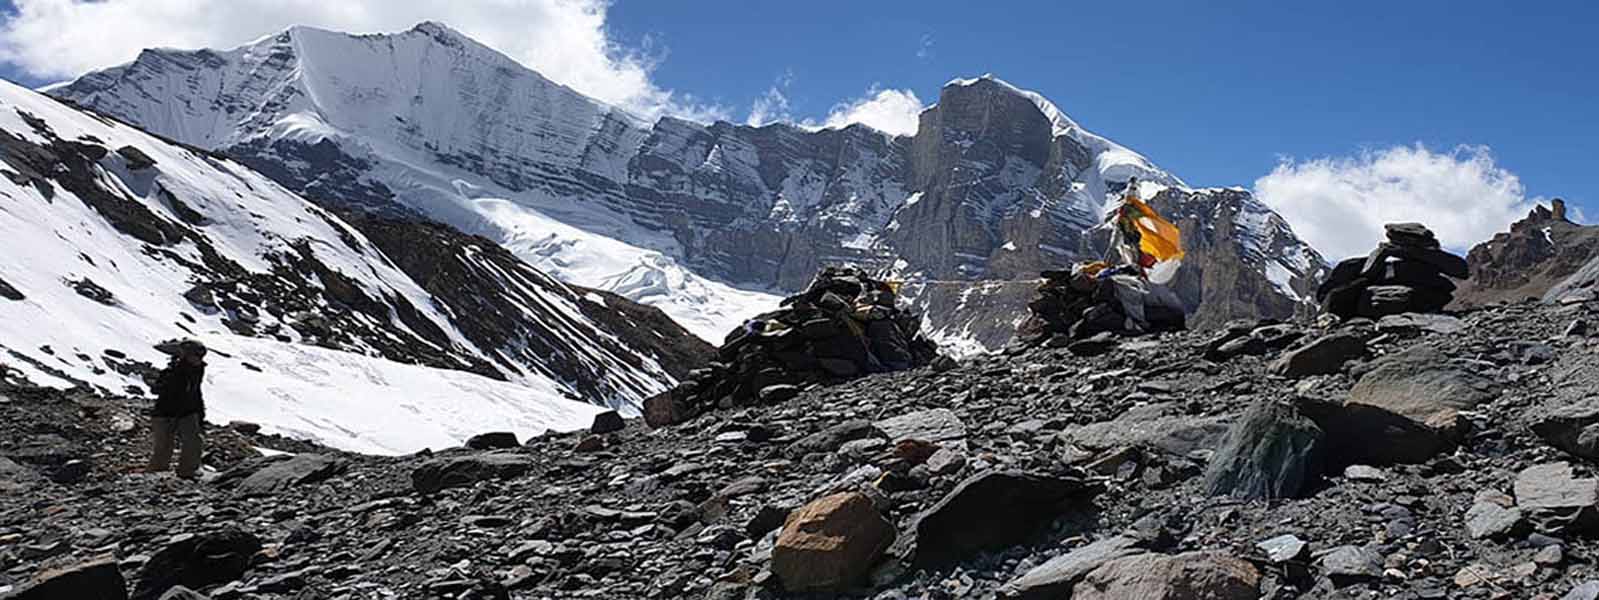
(1586,591)
(1420,383)
(1364,473)
(1273,451)
(1346,565)
(1571,427)
(280,475)
(1555,501)
(1206,575)
(1055,578)
(1283,548)
(830,439)
(937,425)
(94,580)
(1163,427)
(454,471)
(1420,322)
(1324,356)
(183,593)
(1489,520)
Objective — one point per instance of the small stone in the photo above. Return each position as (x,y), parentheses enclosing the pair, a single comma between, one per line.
(1283,548)
(493,440)
(1364,473)
(590,443)
(1549,556)
(1346,565)
(1489,520)
(607,422)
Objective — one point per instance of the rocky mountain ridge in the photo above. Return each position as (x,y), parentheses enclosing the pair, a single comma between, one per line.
(1537,254)
(998,184)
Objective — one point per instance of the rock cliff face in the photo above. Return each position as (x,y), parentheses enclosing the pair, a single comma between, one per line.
(1539,252)
(997,184)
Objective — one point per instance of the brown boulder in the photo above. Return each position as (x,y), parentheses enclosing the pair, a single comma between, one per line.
(831,543)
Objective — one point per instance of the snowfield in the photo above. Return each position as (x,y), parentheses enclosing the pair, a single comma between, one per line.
(56,244)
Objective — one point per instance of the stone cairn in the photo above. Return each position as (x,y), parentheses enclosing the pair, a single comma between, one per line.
(1073,306)
(844,325)
(1407,273)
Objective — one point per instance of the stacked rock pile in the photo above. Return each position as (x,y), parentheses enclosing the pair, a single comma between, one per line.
(844,325)
(1080,303)
(1409,273)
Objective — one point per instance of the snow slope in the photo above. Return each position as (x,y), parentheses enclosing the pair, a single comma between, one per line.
(456,131)
(101,246)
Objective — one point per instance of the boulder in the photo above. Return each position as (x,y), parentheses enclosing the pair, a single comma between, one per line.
(830,544)
(664,409)
(1358,434)
(15,478)
(284,472)
(454,471)
(1273,451)
(828,440)
(1573,427)
(1421,383)
(1585,591)
(1203,575)
(1556,501)
(1420,322)
(1055,578)
(1382,300)
(1489,520)
(494,440)
(607,422)
(990,510)
(1165,427)
(97,579)
(1347,565)
(1283,548)
(1324,356)
(197,562)
(937,425)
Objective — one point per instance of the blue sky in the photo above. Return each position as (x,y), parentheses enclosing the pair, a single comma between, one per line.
(1217,95)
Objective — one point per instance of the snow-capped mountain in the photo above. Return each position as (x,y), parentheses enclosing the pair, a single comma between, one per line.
(388,337)
(703,221)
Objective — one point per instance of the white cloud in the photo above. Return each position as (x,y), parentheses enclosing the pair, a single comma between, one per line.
(1339,205)
(565,40)
(891,111)
(772,107)
(924,50)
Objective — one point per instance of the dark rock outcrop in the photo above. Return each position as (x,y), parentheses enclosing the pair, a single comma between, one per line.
(1274,451)
(452,471)
(197,562)
(990,510)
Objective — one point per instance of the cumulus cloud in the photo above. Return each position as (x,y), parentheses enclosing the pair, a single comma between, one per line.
(1339,205)
(888,110)
(565,40)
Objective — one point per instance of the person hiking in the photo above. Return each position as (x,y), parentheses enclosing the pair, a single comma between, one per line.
(179,411)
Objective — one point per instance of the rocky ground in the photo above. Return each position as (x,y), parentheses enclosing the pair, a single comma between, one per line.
(1431,457)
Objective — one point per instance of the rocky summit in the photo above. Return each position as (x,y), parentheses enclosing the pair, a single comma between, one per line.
(1412,456)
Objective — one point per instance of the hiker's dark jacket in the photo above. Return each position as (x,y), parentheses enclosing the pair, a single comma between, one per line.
(178,390)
